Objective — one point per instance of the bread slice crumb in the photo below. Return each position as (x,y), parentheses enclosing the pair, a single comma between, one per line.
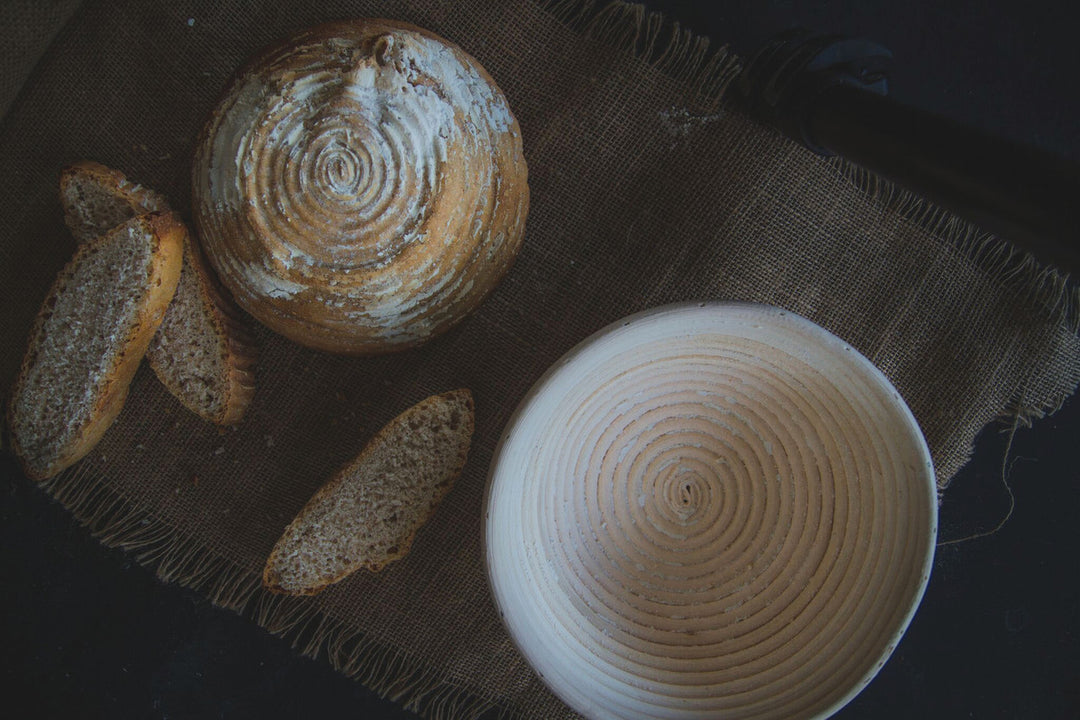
(88,339)
(203,352)
(96,199)
(368,514)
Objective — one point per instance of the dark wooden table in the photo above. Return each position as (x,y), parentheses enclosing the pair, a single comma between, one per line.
(86,632)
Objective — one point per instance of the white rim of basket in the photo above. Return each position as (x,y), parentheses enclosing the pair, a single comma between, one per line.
(872,372)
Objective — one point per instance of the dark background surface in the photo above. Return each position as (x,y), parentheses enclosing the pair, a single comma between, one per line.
(86,632)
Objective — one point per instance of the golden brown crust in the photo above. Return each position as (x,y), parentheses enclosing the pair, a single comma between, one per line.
(163,276)
(342,245)
(271,575)
(242,355)
(139,200)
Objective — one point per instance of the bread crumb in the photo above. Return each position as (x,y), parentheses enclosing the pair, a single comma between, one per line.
(219,450)
(368,514)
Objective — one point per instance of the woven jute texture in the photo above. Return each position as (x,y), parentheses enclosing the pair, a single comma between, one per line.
(648,187)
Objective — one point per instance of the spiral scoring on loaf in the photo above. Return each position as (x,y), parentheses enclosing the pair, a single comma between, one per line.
(687,525)
(361,187)
(342,160)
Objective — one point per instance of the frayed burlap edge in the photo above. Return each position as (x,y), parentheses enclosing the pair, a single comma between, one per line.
(176,558)
(652,38)
(1032,283)
(396,675)
(1028,282)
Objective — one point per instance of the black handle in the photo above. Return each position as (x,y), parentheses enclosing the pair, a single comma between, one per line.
(1011,190)
(829,93)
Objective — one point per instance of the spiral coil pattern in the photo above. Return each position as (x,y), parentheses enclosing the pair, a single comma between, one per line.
(361,187)
(710,511)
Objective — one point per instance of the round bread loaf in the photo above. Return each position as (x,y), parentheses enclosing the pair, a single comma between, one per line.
(361,187)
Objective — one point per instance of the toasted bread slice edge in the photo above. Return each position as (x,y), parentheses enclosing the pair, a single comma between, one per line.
(163,274)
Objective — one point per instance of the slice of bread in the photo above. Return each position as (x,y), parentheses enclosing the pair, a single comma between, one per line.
(96,199)
(367,515)
(88,339)
(203,353)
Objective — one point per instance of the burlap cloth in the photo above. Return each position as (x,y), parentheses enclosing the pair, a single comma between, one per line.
(647,188)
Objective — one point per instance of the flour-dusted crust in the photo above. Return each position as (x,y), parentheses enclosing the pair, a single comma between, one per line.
(361,187)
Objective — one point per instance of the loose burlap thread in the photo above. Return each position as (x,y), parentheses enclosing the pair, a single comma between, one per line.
(648,187)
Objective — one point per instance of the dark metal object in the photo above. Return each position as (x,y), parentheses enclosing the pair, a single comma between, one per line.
(829,93)
(785,79)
